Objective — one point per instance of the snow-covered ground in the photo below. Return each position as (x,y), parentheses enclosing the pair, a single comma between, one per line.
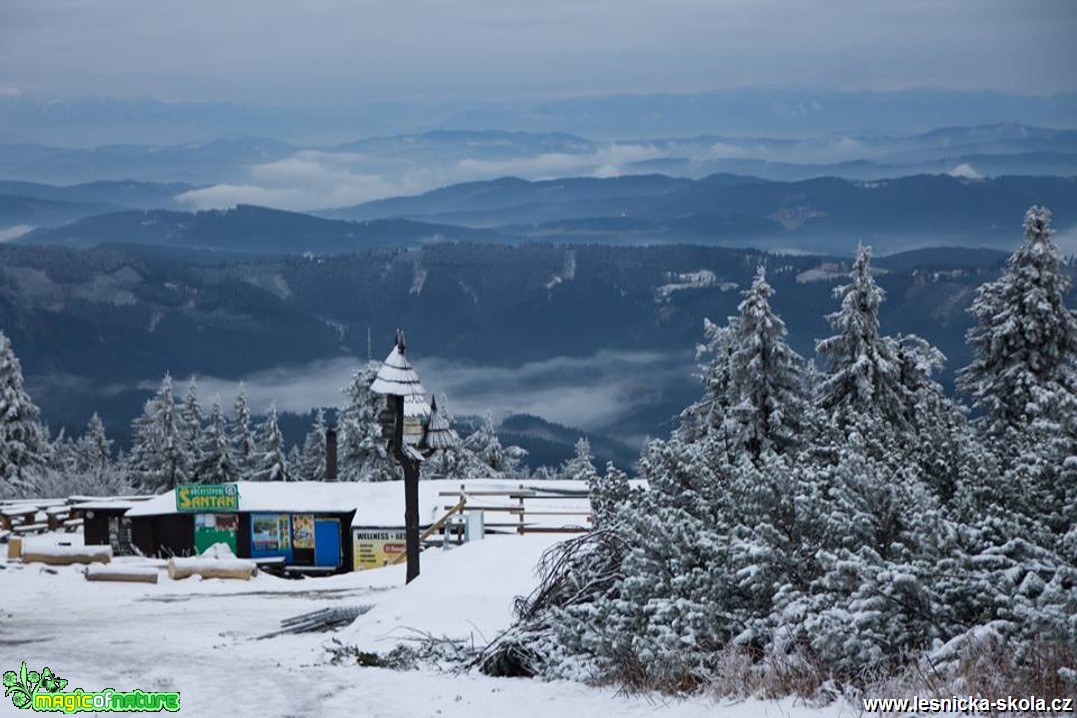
(200,637)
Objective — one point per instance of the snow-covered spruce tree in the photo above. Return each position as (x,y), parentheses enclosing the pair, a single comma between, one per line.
(217,464)
(24,446)
(863,374)
(490,457)
(191,423)
(880,539)
(63,455)
(157,460)
(93,450)
(272,462)
(633,600)
(1025,341)
(709,413)
(579,467)
(609,495)
(311,464)
(767,405)
(241,435)
(363,451)
(1024,378)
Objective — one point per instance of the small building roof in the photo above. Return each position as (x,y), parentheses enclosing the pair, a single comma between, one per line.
(107,505)
(273,496)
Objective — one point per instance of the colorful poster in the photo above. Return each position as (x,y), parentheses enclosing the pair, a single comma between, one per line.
(377,548)
(270,533)
(303,531)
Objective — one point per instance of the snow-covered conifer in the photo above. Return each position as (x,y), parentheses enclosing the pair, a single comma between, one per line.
(272,462)
(492,458)
(1025,341)
(709,413)
(767,406)
(363,451)
(609,494)
(93,449)
(311,465)
(23,442)
(863,374)
(580,467)
(217,464)
(192,421)
(158,461)
(241,434)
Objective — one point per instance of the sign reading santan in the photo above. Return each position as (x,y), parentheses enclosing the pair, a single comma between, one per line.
(207,497)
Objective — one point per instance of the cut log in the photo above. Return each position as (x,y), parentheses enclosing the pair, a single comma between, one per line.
(67,555)
(14,548)
(179,568)
(121,573)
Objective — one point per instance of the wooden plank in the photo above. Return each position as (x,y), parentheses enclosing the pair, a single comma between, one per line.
(554,530)
(514,493)
(528,512)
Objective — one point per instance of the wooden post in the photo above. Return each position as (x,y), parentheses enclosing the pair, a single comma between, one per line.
(520,528)
(411,489)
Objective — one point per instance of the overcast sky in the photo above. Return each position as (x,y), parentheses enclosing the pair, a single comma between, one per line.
(334,51)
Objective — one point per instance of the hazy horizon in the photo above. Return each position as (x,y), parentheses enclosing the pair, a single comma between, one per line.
(338,53)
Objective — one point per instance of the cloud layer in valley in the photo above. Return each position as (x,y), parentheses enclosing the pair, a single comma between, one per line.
(593,393)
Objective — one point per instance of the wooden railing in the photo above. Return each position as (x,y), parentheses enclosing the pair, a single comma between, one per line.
(481,500)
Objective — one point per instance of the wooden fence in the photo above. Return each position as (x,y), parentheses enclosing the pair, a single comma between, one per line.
(529,510)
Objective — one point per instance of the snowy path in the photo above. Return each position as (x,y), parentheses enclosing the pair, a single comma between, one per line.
(200,638)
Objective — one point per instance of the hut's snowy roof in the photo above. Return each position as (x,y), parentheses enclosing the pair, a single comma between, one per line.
(396,377)
(107,505)
(271,496)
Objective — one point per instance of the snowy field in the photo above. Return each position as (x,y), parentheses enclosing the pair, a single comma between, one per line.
(200,637)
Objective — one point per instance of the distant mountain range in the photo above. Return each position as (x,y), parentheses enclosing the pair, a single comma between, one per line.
(589,336)
(382,166)
(90,121)
(827,215)
(249,230)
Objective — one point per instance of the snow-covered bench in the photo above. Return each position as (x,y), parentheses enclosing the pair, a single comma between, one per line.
(30,529)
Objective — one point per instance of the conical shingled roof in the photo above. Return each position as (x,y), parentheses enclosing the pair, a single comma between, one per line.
(396,377)
(438,435)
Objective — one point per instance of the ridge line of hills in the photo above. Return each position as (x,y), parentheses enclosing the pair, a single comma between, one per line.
(825,215)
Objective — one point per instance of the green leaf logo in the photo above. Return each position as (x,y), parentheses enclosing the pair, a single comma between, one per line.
(22,686)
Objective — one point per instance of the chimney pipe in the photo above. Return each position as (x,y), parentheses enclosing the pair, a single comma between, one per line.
(331,454)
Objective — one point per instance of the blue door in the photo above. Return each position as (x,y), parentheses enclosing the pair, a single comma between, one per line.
(327,542)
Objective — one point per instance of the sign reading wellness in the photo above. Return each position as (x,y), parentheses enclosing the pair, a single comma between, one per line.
(207,497)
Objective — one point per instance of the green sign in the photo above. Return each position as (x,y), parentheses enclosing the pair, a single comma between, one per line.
(207,497)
